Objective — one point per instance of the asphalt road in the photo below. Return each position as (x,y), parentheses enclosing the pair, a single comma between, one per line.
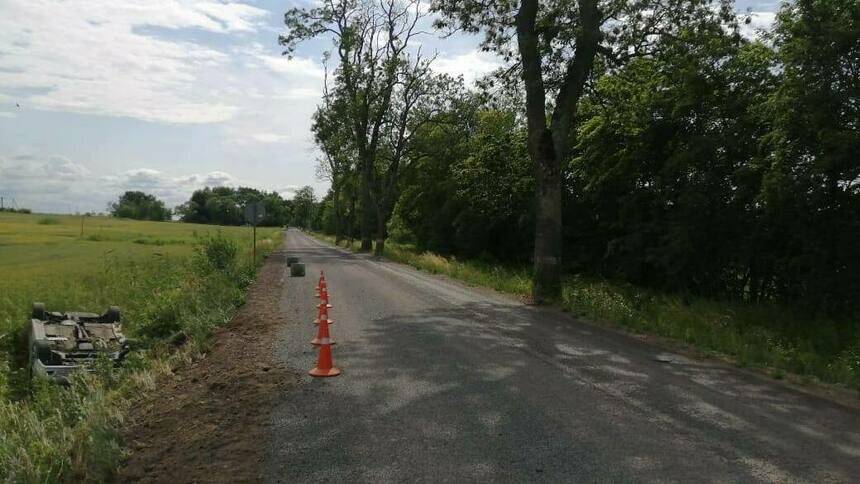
(444,383)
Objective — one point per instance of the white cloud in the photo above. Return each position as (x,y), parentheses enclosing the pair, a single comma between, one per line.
(218,179)
(142,179)
(95,57)
(279,95)
(270,137)
(287,191)
(295,67)
(59,166)
(55,184)
(472,65)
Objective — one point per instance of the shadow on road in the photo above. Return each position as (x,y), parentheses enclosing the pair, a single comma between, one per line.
(485,393)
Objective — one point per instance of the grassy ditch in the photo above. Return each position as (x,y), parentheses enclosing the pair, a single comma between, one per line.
(172,295)
(778,338)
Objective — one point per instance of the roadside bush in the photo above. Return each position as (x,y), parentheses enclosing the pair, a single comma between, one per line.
(48,221)
(847,366)
(217,252)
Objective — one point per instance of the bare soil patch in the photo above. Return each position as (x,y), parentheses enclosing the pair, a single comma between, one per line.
(209,421)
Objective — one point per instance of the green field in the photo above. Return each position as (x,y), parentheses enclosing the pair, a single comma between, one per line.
(45,258)
(173,282)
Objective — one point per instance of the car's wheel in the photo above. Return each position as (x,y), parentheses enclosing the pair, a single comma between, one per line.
(39,311)
(42,350)
(112,315)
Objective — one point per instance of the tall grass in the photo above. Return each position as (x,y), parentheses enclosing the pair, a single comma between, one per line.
(777,337)
(169,294)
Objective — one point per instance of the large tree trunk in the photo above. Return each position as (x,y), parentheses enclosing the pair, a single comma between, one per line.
(351,228)
(380,233)
(336,205)
(547,250)
(548,236)
(366,208)
(549,146)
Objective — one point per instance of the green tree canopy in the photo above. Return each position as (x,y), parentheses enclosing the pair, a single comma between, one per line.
(139,206)
(226,206)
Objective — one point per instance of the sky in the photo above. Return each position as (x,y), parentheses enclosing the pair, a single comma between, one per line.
(167,96)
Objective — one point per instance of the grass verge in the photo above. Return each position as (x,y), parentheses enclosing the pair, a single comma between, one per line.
(777,338)
(173,295)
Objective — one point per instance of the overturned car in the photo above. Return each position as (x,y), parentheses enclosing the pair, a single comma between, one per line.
(61,343)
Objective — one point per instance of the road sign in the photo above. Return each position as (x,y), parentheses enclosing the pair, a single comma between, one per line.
(255,212)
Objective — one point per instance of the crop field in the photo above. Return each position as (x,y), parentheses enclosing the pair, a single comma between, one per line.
(46,258)
(168,279)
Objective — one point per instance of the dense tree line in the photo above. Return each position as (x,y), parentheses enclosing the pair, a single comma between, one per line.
(226,206)
(649,142)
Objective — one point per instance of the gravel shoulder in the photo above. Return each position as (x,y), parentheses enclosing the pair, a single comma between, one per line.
(207,422)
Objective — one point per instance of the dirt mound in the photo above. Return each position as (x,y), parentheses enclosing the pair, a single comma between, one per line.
(208,423)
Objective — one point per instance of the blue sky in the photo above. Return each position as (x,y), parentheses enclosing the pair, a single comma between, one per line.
(166,96)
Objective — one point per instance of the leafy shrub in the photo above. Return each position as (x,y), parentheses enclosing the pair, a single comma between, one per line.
(48,221)
(217,252)
(847,366)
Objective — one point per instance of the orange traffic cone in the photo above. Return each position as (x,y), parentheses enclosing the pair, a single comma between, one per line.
(325,365)
(322,333)
(322,313)
(321,283)
(324,297)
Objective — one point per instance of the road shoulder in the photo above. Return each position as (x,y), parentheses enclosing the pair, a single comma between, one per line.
(208,422)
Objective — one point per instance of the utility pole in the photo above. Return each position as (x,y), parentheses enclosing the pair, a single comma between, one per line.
(254,213)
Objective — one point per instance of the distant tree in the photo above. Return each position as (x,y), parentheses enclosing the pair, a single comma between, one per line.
(226,206)
(304,208)
(139,206)
(338,163)
(379,86)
